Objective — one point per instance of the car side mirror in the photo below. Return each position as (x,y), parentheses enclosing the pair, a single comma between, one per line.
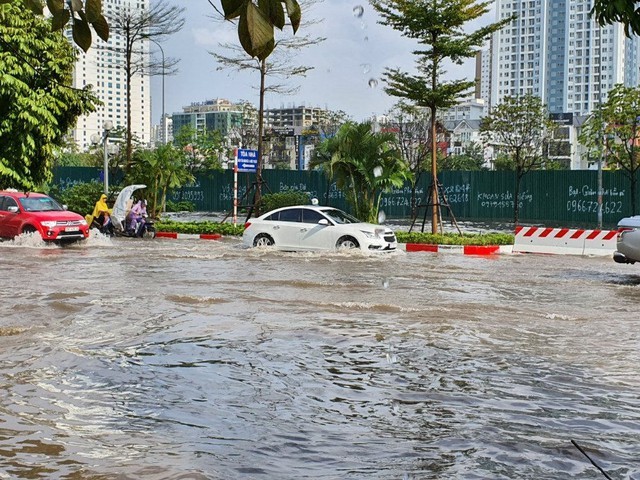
(323,221)
(12,209)
(64,207)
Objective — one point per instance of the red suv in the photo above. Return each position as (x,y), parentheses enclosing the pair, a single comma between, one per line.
(34,212)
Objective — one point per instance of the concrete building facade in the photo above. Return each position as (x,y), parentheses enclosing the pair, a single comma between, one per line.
(556,51)
(103,67)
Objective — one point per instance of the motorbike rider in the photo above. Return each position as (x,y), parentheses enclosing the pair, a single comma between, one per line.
(137,216)
(102,216)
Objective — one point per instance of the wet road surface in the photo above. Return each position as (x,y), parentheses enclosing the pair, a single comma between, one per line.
(187,359)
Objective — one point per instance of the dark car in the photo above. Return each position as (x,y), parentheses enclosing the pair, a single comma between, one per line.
(23,212)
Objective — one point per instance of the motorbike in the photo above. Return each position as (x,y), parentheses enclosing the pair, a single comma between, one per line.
(119,221)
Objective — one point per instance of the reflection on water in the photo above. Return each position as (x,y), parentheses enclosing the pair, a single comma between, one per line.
(154,359)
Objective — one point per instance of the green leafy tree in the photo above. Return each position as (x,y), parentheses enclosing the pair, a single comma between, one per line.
(257,20)
(411,125)
(82,14)
(613,130)
(520,128)
(364,164)
(137,26)
(37,104)
(441,29)
(472,159)
(202,150)
(160,169)
(626,12)
(255,29)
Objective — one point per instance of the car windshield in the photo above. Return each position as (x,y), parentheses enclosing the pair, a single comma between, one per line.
(339,216)
(40,204)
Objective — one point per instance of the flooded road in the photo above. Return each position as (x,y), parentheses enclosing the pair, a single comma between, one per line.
(188,359)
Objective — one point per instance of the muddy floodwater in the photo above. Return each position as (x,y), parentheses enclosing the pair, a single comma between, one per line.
(191,359)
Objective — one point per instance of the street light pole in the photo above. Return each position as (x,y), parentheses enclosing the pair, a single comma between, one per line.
(108,125)
(95,139)
(163,122)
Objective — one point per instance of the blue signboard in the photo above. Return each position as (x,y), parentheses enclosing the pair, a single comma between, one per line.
(247,160)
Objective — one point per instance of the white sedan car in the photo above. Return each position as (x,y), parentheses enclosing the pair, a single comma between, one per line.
(628,243)
(313,227)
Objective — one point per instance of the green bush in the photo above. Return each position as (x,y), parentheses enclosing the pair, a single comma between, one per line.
(271,201)
(493,238)
(80,198)
(207,227)
(182,206)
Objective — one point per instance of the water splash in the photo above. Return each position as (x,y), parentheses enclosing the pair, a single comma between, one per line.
(385,283)
(382,217)
(358,11)
(373,83)
(377,172)
(366,67)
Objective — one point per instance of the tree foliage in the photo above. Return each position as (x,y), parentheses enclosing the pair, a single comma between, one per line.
(201,150)
(626,12)
(520,128)
(471,159)
(37,104)
(255,29)
(137,26)
(82,15)
(441,30)
(613,130)
(257,21)
(160,169)
(364,164)
(410,125)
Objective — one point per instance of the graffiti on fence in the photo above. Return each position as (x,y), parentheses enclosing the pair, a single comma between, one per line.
(458,193)
(499,200)
(584,199)
(69,182)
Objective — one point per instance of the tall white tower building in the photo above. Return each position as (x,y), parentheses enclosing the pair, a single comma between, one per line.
(556,51)
(103,67)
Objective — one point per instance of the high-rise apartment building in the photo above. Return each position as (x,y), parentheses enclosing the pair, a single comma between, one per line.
(556,51)
(103,67)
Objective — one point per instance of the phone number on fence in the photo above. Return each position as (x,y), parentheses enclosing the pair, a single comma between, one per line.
(189,196)
(395,202)
(589,206)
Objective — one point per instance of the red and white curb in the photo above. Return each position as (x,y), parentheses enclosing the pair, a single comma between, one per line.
(459,249)
(564,241)
(527,240)
(409,247)
(189,236)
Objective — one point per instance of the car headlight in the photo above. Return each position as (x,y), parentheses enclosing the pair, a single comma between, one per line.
(368,234)
(83,222)
(48,224)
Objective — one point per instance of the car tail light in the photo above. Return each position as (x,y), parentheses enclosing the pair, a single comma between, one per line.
(622,230)
(247,225)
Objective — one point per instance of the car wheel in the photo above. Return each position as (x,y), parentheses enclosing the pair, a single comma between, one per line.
(29,229)
(347,243)
(263,240)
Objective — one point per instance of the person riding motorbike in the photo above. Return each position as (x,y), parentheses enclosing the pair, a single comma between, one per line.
(102,216)
(136,218)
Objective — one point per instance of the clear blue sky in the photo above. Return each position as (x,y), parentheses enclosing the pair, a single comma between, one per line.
(356,51)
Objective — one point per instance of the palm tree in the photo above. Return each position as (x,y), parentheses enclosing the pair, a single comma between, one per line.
(364,164)
(161,169)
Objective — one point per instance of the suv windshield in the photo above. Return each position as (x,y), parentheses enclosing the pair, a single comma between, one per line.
(339,216)
(40,204)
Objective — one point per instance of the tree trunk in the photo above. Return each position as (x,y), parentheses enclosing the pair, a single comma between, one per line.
(516,193)
(128,76)
(257,197)
(434,175)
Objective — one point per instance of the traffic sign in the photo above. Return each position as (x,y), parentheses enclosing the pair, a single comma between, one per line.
(247,160)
